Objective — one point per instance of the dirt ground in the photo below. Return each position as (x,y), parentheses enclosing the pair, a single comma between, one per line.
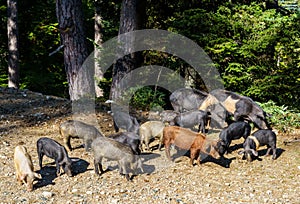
(26,116)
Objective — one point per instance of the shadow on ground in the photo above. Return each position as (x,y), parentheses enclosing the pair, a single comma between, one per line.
(48,172)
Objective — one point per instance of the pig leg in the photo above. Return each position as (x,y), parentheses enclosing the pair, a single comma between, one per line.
(274,153)
(116,126)
(19,179)
(87,145)
(123,166)
(58,172)
(147,141)
(98,165)
(40,159)
(142,143)
(167,150)
(159,146)
(160,140)
(194,154)
(201,127)
(268,151)
(67,143)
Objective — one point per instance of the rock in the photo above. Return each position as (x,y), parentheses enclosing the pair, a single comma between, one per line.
(74,190)
(47,194)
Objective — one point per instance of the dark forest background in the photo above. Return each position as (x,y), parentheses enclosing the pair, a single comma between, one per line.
(255,46)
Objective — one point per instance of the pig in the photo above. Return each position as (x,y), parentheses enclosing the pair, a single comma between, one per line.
(191,118)
(186,99)
(168,116)
(54,150)
(125,121)
(104,147)
(149,130)
(122,119)
(256,140)
(189,140)
(241,107)
(128,138)
(77,129)
(24,167)
(234,131)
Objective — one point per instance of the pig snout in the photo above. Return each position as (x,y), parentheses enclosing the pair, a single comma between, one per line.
(248,157)
(215,154)
(69,172)
(29,186)
(68,169)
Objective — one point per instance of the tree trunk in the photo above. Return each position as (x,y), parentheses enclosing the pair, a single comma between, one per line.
(70,22)
(98,43)
(13,52)
(128,22)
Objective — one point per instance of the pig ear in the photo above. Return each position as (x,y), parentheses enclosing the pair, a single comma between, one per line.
(255,153)
(241,152)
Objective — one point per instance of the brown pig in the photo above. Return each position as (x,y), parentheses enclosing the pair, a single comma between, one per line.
(189,140)
(24,167)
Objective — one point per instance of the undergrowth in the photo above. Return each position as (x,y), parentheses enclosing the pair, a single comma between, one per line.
(282,117)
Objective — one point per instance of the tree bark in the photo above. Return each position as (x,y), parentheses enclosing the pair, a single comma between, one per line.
(128,22)
(70,22)
(13,52)
(97,47)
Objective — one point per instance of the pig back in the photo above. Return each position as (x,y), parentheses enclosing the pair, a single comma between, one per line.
(22,160)
(110,149)
(181,137)
(154,127)
(79,129)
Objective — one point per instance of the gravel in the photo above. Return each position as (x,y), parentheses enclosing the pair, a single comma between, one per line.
(230,181)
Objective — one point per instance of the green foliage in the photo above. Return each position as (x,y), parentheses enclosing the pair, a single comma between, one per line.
(282,117)
(256,51)
(3,45)
(146,98)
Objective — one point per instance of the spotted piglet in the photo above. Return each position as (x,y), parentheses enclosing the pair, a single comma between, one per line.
(256,140)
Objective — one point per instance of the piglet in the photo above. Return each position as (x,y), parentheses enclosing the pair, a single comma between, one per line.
(149,130)
(234,131)
(77,129)
(110,149)
(24,167)
(54,150)
(130,139)
(258,139)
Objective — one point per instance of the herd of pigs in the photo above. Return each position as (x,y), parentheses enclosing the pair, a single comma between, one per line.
(192,108)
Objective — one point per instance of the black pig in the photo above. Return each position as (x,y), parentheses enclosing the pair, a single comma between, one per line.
(54,150)
(259,138)
(125,121)
(186,99)
(241,107)
(128,138)
(122,119)
(234,131)
(191,118)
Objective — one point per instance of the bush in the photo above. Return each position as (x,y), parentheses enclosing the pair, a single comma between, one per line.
(282,118)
